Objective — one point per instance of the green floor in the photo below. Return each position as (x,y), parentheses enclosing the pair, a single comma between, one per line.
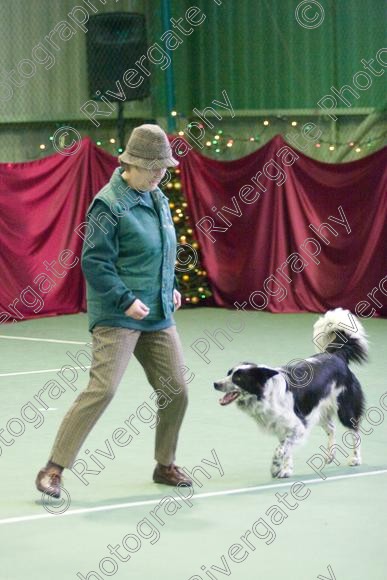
(338,531)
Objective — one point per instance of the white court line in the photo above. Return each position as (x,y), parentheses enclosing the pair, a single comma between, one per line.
(39,340)
(128,505)
(42,339)
(37,372)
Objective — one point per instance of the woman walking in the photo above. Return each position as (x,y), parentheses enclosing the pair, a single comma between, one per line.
(129,262)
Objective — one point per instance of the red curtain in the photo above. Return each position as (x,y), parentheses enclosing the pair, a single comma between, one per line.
(273,253)
(43,204)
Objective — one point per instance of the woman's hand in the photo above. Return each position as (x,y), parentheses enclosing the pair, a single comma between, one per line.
(137,310)
(176,299)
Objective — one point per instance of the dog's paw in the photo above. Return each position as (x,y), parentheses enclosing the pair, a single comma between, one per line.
(276,468)
(354,461)
(284,472)
(330,458)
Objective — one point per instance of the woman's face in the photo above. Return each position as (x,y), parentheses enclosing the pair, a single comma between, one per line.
(142,179)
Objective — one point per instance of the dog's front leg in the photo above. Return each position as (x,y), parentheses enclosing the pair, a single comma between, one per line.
(282,465)
(278,459)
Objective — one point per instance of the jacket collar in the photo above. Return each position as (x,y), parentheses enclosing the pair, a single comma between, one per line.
(131,196)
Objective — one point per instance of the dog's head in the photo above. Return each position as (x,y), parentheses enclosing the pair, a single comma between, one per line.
(242,381)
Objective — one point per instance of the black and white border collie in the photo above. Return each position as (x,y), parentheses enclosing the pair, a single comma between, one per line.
(289,400)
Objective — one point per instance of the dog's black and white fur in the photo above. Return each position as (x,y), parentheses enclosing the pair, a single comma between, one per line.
(288,401)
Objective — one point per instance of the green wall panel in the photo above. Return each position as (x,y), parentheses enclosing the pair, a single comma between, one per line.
(258,52)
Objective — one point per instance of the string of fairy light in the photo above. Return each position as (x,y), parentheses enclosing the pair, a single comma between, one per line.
(99,142)
(218,142)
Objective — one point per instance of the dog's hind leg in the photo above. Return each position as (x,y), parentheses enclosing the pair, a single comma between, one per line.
(351,406)
(330,429)
(349,416)
(355,436)
(356,457)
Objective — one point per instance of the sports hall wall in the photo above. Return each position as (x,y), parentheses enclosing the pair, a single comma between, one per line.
(252,50)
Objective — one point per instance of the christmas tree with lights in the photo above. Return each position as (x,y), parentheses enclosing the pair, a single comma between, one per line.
(192,278)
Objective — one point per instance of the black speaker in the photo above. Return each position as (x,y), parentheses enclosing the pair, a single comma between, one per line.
(115,41)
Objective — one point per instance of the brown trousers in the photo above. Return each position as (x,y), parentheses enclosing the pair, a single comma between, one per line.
(160,355)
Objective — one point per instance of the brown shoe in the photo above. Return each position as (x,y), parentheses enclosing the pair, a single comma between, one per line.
(48,481)
(170,475)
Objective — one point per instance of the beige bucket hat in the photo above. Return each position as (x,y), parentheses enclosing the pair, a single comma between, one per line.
(148,147)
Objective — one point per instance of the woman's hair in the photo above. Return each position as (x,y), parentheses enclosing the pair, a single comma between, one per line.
(125,166)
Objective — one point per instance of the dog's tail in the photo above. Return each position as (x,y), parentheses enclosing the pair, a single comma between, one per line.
(340,332)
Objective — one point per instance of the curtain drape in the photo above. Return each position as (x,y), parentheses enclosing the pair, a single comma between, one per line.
(278,231)
(42,203)
(282,232)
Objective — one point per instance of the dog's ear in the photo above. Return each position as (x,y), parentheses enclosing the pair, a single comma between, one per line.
(263,374)
(253,379)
